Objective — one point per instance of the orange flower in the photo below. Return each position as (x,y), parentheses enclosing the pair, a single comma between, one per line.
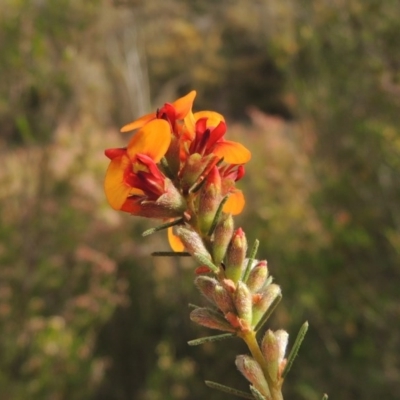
(133,181)
(178,110)
(209,130)
(191,128)
(193,144)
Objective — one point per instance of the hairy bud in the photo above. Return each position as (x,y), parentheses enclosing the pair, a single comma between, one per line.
(264,302)
(258,276)
(243,302)
(222,236)
(273,347)
(193,243)
(206,285)
(210,199)
(210,319)
(252,371)
(235,256)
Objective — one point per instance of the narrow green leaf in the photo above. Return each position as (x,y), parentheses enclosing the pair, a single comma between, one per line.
(252,257)
(170,254)
(206,261)
(163,226)
(166,168)
(227,389)
(256,394)
(207,339)
(295,349)
(196,186)
(268,313)
(217,215)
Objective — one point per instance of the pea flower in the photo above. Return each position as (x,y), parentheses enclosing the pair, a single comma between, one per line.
(171,112)
(134,183)
(209,132)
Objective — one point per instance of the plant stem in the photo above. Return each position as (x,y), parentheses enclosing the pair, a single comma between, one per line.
(252,344)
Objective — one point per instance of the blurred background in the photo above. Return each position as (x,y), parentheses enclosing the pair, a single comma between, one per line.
(312,87)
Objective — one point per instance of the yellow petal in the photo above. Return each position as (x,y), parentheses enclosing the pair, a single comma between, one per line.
(138,123)
(116,190)
(232,152)
(235,203)
(136,192)
(174,241)
(184,105)
(190,125)
(213,118)
(152,140)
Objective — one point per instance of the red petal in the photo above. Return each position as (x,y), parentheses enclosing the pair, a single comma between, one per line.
(132,206)
(217,134)
(113,153)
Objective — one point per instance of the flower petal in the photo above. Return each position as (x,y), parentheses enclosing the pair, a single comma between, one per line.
(152,140)
(132,206)
(184,105)
(138,123)
(189,126)
(235,203)
(232,152)
(213,118)
(174,241)
(115,152)
(114,186)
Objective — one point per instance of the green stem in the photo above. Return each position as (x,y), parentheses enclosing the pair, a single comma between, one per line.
(252,344)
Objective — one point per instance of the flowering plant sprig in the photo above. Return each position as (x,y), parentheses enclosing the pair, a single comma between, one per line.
(179,168)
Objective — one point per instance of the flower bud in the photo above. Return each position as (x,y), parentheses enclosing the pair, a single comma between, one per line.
(243,302)
(195,167)
(223,299)
(172,199)
(210,319)
(252,371)
(210,199)
(172,155)
(192,242)
(235,256)
(258,276)
(229,285)
(270,293)
(236,322)
(222,236)
(273,347)
(207,286)
(170,204)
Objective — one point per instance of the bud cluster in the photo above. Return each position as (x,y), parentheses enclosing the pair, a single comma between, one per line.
(273,348)
(242,304)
